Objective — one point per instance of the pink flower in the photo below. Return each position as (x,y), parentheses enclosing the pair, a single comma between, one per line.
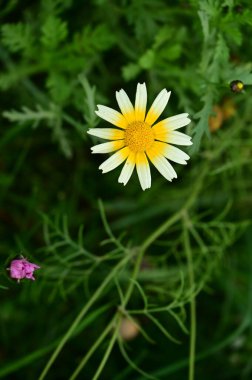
(21,268)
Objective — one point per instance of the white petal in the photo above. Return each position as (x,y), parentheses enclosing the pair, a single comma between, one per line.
(108,147)
(175,154)
(127,169)
(179,138)
(163,166)
(107,133)
(177,121)
(158,106)
(115,160)
(143,170)
(125,105)
(140,102)
(112,116)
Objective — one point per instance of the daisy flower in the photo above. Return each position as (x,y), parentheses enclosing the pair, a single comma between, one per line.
(138,140)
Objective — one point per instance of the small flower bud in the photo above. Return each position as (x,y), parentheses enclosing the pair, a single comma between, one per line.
(236,86)
(128,329)
(21,268)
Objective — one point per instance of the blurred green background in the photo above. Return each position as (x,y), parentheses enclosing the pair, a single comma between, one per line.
(58,59)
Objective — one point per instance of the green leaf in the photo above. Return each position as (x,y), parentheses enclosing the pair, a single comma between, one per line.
(30,116)
(93,39)
(130,71)
(17,37)
(89,101)
(59,87)
(53,119)
(243,73)
(202,125)
(171,53)
(204,24)
(162,36)
(54,31)
(147,60)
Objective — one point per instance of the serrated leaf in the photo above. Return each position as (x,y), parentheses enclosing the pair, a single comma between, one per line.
(99,38)
(242,73)
(54,31)
(31,116)
(59,87)
(219,60)
(17,37)
(53,118)
(202,126)
(246,17)
(130,71)
(89,101)
(162,36)
(171,53)
(147,60)
(204,23)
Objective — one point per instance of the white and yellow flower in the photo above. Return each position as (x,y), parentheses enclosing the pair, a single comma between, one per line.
(137,138)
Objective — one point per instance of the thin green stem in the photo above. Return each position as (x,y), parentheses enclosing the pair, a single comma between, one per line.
(173,219)
(179,365)
(137,265)
(108,229)
(133,278)
(92,350)
(118,315)
(192,301)
(81,314)
(168,223)
(78,126)
(109,349)
(123,306)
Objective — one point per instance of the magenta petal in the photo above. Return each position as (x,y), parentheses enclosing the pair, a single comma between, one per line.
(29,267)
(30,276)
(21,268)
(17,269)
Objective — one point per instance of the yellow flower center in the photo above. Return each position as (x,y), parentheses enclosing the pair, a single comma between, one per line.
(139,136)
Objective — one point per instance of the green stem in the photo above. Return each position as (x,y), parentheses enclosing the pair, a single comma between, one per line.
(78,126)
(92,350)
(170,221)
(179,365)
(108,229)
(123,306)
(81,314)
(108,350)
(192,302)
(133,278)
(137,266)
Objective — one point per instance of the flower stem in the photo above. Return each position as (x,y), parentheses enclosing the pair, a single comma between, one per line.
(118,315)
(108,350)
(192,302)
(170,221)
(173,219)
(81,314)
(92,350)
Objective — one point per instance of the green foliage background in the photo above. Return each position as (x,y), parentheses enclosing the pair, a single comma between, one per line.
(175,258)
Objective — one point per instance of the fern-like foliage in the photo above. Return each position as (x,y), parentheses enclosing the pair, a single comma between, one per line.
(17,37)
(31,116)
(52,117)
(54,31)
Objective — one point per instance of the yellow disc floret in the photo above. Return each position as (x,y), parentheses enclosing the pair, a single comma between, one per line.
(139,136)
